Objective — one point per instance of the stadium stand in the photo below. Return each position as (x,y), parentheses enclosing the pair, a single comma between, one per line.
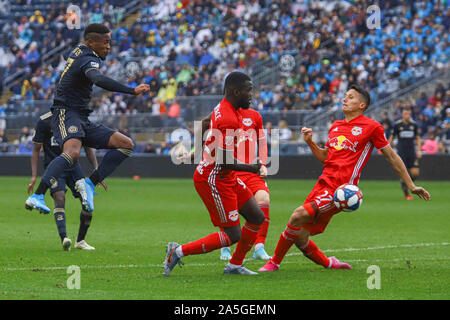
(302,55)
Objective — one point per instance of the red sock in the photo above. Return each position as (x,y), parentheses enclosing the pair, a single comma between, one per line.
(209,243)
(248,237)
(312,252)
(287,239)
(262,234)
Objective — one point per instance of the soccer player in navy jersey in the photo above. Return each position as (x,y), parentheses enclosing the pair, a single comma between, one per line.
(43,139)
(70,124)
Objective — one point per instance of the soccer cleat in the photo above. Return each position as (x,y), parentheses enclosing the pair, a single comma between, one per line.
(66,244)
(260,254)
(86,189)
(409,197)
(336,264)
(238,270)
(269,266)
(172,259)
(83,245)
(36,201)
(225,253)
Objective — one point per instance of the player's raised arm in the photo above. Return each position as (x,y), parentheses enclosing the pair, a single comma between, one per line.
(109,84)
(397,164)
(262,148)
(97,37)
(318,152)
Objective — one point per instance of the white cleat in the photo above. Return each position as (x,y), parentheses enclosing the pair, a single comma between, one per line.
(238,270)
(67,243)
(83,245)
(225,254)
(260,254)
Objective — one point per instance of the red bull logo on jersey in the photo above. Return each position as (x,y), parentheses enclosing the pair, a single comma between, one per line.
(247,122)
(233,215)
(356,131)
(342,143)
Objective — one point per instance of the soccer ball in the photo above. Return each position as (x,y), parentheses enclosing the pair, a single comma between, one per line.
(348,197)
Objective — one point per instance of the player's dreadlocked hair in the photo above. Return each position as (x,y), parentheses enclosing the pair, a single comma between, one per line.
(95,28)
(363,94)
(235,80)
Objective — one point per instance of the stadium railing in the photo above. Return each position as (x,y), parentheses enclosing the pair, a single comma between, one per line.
(25,113)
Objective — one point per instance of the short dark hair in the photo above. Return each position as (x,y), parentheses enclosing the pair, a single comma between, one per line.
(235,80)
(362,94)
(96,28)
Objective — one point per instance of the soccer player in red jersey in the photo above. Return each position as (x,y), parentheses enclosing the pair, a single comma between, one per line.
(255,146)
(224,194)
(349,146)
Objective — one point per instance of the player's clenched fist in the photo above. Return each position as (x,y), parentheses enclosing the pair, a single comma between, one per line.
(307,134)
(142,88)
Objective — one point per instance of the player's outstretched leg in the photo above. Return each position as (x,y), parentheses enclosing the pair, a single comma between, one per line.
(312,252)
(121,148)
(211,242)
(36,201)
(290,236)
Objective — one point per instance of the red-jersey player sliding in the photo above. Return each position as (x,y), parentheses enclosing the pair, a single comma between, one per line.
(349,146)
(255,146)
(223,193)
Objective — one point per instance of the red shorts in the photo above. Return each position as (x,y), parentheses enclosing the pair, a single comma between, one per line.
(253,181)
(223,196)
(320,205)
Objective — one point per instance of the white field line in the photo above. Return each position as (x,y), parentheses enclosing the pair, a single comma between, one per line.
(129,266)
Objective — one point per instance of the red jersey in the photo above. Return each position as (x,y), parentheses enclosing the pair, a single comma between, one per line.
(254,138)
(225,132)
(350,145)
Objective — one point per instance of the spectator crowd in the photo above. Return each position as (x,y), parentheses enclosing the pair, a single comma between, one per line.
(186,48)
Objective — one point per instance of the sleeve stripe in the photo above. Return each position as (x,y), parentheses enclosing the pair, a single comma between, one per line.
(384,146)
(90,70)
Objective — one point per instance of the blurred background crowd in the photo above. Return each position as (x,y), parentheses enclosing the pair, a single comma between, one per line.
(186,48)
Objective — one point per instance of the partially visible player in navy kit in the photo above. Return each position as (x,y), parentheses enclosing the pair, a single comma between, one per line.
(406,131)
(43,139)
(70,124)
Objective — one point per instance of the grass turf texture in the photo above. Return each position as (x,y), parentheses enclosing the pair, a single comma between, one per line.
(134,220)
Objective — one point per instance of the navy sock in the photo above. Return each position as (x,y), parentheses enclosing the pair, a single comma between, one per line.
(85,222)
(77,172)
(56,168)
(42,188)
(111,160)
(60,219)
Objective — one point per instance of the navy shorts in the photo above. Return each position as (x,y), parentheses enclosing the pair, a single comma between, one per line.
(67,179)
(410,160)
(68,124)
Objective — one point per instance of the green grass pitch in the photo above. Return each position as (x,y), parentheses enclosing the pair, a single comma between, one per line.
(134,220)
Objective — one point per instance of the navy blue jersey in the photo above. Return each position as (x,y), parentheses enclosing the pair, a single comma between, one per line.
(406,133)
(43,134)
(74,89)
